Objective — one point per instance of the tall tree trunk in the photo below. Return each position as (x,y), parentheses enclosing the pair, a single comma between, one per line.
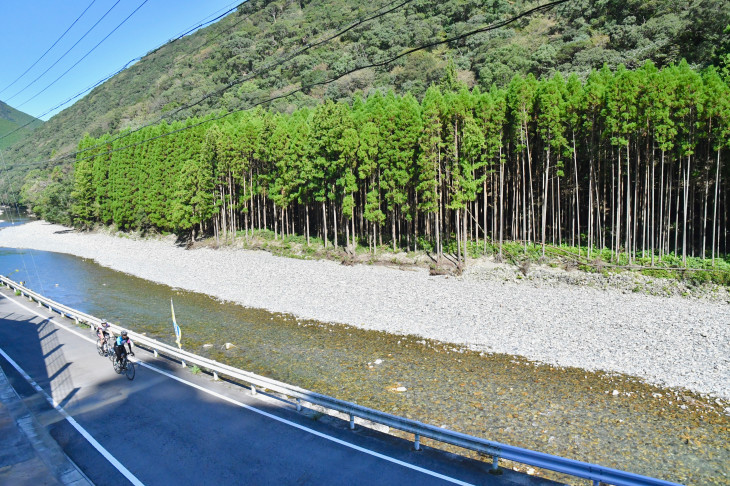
(525,225)
(714,206)
(590,206)
(484,214)
(306,209)
(276,223)
(324,222)
(334,220)
(465,236)
(618,209)
(392,228)
(628,203)
(684,216)
(577,197)
(458,240)
(501,201)
(545,200)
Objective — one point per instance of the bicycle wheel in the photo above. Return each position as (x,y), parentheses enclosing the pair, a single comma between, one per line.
(130,370)
(118,366)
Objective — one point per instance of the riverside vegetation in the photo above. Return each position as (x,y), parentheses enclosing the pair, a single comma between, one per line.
(629,165)
(626,160)
(243,48)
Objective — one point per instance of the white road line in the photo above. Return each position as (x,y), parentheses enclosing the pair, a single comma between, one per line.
(113,460)
(227,399)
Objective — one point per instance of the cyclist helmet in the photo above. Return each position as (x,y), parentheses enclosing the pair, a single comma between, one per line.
(124,333)
(104,324)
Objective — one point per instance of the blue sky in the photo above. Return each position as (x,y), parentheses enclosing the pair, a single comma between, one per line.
(30,27)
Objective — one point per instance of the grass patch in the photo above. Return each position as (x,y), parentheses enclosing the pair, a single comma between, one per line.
(522,255)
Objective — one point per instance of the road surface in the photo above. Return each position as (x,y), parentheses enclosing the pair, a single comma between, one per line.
(171,427)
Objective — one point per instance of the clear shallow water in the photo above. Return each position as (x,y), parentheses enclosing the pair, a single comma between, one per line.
(670,434)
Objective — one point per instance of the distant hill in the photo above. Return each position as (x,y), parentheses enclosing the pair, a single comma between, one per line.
(574,37)
(10,121)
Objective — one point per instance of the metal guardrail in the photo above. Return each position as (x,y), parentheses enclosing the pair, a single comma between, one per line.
(597,474)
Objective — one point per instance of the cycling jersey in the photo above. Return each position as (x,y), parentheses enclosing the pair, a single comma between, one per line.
(121,341)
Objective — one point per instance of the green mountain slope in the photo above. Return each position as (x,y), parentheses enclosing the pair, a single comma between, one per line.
(11,121)
(245,52)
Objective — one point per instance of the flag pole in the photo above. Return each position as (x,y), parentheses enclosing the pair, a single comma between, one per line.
(178,333)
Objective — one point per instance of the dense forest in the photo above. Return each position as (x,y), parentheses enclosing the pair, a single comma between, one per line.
(268,47)
(630,160)
(15,125)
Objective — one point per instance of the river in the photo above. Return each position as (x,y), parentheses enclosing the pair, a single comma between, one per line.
(608,419)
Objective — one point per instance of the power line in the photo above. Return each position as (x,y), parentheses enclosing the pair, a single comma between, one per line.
(49,49)
(64,54)
(85,55)
(200,25)
(449,40)
(256,72)
(488,28)
(17,210)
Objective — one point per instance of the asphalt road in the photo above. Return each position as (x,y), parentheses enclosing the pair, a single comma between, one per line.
(171,427)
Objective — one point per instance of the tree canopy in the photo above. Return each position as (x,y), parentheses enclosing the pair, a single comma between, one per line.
(632,161)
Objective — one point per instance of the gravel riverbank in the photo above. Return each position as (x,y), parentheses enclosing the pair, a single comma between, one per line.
(553,316)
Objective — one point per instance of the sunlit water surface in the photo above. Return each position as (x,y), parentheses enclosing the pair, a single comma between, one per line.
(608,419)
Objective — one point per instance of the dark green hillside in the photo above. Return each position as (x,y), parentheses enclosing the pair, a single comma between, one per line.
(10,121)
(243,49)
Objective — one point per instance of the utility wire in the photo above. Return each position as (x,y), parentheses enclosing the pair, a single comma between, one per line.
(85,55)
(357,23)
(64,54)
(200,25)
(49,49)
(488,28)
(449,40)
(10,215)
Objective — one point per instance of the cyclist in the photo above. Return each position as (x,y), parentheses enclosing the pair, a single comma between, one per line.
(102,331)
(119,349)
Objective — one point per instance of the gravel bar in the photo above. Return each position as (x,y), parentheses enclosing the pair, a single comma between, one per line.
(668,341)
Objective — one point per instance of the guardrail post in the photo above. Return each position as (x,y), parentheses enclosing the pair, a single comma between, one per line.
(299,404)
(39,304)
(215,376)
(155,353)
(184,365)
(253,390)
(417,444)
(352,422)
(495,466)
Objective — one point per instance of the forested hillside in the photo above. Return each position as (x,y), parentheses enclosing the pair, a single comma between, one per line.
(634,161)
(15,125)
(581,125)
(246,52)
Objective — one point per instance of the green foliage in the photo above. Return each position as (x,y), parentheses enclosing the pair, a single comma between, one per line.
(561,155)
(576,37)
(48,195)
(11,121)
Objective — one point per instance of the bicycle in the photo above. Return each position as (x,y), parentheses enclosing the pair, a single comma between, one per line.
(124,366)
(104,347)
